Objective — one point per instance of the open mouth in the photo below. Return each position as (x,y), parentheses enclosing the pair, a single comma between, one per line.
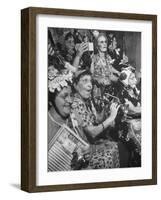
(89,91)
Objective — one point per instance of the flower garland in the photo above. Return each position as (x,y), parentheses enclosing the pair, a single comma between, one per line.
(57,80)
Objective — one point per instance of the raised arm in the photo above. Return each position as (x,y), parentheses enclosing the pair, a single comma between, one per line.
(81,49)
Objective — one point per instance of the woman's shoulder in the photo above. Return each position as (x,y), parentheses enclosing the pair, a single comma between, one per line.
(77,102)
(53,127)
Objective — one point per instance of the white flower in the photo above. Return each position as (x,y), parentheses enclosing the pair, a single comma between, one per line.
(57,80)
(52,72)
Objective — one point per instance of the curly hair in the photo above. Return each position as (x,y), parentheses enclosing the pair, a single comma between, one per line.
(80,74)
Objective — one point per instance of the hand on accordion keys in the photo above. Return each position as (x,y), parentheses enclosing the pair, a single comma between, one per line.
(79,161)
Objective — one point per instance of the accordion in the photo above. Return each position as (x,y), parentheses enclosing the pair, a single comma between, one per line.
(62,147)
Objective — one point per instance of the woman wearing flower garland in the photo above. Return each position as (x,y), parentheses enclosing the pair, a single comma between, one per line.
(60,99)
(62,150)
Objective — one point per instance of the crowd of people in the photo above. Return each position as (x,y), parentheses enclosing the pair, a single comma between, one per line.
(93,89)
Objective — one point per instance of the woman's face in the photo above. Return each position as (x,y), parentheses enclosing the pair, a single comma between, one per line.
(113,44)
(132,80)
(102,43)
(63,101)
(84,86)
(69,43)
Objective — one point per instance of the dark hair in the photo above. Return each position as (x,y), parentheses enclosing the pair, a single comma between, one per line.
(68,35)
(51,98)
(123,75)
(110,38)
(81,74)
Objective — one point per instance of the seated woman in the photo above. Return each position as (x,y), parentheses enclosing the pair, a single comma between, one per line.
(127,91)
(101,67)
(102,70)
(63,139)
(103,152)
(68,50)
(73,50)
(128,123)
(118,56)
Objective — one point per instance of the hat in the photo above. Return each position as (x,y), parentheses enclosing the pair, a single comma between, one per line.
(125,74)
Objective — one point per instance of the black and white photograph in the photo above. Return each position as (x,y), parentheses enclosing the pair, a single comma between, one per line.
(89,84)
(94,99)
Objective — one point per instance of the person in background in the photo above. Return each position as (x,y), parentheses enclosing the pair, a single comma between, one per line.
(75,50)
(119,58)
(127,91)
(128,123)
(68,49)
(83,57)
(102,70)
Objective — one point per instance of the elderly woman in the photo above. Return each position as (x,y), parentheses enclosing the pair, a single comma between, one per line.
(102,70)
(63,139)
(129,125)
(127,91)
(101,66)
(103,152)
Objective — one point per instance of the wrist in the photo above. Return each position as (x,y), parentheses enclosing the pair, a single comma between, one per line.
(111,119)
(108,122)
(103,127)
(79,55)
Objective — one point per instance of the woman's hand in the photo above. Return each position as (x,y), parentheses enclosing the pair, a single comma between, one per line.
(82,48)
(124,60)
(135,109)
(80,161)
(113,111)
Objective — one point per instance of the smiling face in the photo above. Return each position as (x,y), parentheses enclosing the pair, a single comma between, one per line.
(132,80)
(63,101)
(102,43)
(84,86)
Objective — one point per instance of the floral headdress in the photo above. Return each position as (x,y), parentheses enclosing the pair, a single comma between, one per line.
(125,74)
(58,79)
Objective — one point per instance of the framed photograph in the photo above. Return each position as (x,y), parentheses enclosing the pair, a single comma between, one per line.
(88,99)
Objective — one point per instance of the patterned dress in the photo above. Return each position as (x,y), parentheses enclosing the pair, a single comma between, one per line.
(129,124)
(103,152)
(102,69)
(103,77)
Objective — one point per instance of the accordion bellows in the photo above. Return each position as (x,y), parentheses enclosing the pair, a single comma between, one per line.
(61,149)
